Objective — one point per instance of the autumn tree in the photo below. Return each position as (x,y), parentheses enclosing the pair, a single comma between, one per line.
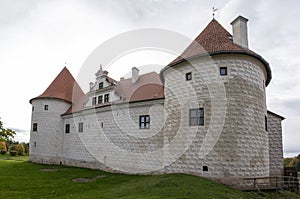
(6,134)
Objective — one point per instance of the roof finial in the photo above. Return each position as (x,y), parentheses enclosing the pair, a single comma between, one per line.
(214,10)
(65,64)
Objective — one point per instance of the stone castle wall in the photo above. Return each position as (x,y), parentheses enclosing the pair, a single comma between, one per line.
(232,143)
(275,144)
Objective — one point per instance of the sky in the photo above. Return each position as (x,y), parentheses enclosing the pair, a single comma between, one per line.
(39,37)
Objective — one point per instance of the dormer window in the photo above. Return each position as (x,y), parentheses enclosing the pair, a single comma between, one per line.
(100,85)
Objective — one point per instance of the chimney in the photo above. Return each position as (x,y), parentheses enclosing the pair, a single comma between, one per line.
(91,85)
(135,75)
(239,31)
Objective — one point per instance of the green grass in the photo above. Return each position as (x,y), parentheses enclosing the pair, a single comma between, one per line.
(22,179)
(7,156)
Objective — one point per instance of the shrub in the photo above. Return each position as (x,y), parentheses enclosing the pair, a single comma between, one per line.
(13,150)
(3,146)
(20,149)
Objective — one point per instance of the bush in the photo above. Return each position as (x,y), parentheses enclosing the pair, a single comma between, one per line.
(3,146)
(20,149)
(13,150)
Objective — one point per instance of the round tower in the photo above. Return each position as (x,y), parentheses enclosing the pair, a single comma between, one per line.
(220,95)
(47,129)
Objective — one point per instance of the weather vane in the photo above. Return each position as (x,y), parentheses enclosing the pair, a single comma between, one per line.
(214,10)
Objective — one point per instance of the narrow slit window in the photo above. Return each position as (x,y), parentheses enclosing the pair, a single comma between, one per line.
(34,127)
(80,127)
(67,128)
(266,123)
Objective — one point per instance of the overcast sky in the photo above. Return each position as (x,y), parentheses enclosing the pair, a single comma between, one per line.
(37,37)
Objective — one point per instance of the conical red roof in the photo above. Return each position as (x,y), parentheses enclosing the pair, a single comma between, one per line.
(63,87)
(215,39)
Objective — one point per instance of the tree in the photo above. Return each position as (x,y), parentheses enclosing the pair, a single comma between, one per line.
(5,134)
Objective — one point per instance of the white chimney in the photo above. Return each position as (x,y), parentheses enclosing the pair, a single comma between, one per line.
(239,29)
(135,75)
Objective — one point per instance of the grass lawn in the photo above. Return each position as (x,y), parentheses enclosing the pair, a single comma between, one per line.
(22,179)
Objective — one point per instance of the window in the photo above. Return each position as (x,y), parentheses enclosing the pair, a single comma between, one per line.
(101,124)
(223,71)
(197,117)
(188,76)
(266,123)
(106,98)
(34,127)
(100,85)
(67,128)
(94,100)
(205,168)
(80,127)
(100,100)
(46,107)
(34,144)
(144,122)
(32,108)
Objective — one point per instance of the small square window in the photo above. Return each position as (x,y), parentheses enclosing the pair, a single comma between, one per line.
(100,85)
(34,127)
(144,122)
(67,128)
(188,76)
(197,117)
(46,107)
(100,100)
(80,127)
(223,71)
(205,168)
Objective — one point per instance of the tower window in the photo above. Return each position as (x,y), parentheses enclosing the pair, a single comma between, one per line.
(100,100)
(34,127)
(205,168)
(46,107)
(144,122)
(223,71)
(32,108)
(188,76)
(80,127)
(67,128)
(197,117)
(266,123)
(34,144)
(94,100)
(106,98)
(100,85)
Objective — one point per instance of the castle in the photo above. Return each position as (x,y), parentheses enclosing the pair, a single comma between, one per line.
(205,114)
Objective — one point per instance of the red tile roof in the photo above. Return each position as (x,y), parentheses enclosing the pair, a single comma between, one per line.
(147,87)
(63,87)
(215,39)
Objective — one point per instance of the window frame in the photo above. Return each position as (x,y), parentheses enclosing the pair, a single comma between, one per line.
(100,99)
(94,100)
(100,85)
(143,121)
(67,128)
(46,107)
(197,117)
(34,127)
(80,127)
(106,97)
(188,76)
(224,68)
